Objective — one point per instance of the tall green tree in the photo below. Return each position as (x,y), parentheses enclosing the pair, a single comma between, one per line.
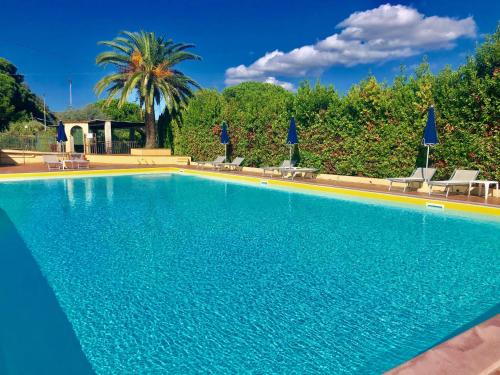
(145,65)
(17,101)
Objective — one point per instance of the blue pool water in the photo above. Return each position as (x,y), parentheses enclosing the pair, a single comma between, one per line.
(179,274)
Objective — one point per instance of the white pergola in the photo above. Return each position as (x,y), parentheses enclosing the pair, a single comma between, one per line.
(91,127)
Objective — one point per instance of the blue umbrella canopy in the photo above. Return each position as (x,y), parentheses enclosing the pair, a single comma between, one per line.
(61,134)
(292,138)
(430,133)
(224,135)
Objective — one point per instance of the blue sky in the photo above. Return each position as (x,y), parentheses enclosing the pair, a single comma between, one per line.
(284,42)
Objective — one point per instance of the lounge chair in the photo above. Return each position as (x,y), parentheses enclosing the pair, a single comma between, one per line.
(217,160)
(79,160)
(293,171)
(287,164)
(235,164)
(418,175)
(53,162)
(460,177)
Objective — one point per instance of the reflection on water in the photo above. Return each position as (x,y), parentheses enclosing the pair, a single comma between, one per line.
(69,186)
(109,189)
(86,189)
(89,190)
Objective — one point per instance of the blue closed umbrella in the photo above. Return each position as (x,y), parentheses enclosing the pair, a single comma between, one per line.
(61,134)
(224,139)
(430,133)
(292,138)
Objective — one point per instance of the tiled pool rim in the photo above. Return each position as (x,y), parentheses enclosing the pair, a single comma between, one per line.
(309,186)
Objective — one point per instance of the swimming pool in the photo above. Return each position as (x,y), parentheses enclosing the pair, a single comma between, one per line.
(149,274)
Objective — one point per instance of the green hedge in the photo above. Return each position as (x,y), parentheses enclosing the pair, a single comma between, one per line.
(374,130)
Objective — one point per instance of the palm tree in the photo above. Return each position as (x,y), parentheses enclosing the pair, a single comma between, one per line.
(145,65)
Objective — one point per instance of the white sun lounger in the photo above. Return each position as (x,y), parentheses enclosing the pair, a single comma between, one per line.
(78,160)
(235,164)
(293,171)
(287,164)
(53,162)
(418,175)
(217,160)
(460,177)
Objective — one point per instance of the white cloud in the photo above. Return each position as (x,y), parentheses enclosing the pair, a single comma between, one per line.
(381,34)
(244,78)
(286,85)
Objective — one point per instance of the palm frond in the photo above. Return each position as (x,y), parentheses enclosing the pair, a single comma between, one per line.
(111,57)
(108,80)
(117,44)
(129,86)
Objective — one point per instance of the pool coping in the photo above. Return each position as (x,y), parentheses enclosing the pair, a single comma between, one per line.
(314,187)
(475,351)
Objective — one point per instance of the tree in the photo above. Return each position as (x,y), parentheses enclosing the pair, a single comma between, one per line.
(104,110)
(17,101)
(256,113)
(166,123)
(145,65)
(126,112)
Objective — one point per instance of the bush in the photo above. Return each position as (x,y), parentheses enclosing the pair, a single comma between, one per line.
(374,130)
(31,127)
(28,135)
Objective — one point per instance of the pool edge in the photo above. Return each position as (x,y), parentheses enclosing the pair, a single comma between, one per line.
(364,194)
(475,351)
(454,206)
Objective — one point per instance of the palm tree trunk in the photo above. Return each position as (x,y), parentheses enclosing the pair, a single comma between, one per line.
(151,133)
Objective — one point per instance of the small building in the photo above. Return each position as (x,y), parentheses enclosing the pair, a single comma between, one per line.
(104,136)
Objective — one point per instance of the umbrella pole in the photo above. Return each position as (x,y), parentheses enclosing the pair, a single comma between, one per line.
(225,152)
(427,162)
